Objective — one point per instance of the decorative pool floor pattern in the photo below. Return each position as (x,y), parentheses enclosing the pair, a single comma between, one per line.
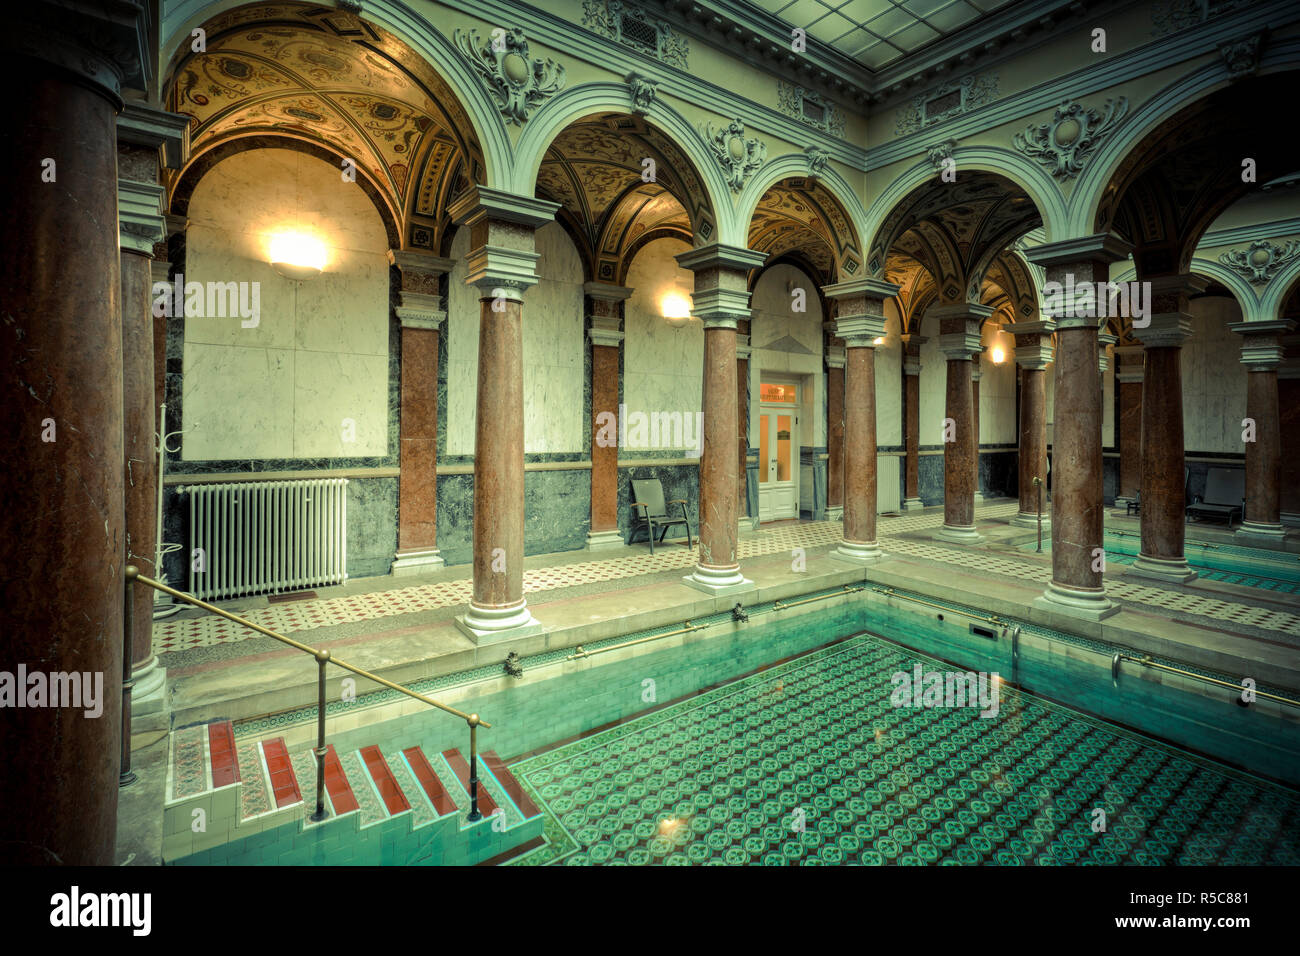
(728,776)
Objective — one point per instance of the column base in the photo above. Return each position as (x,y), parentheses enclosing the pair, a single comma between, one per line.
(857,552)
(912,504)
(1260,534)
(417,562)
(1030,520)
(719,581)
(1091,605)
(1290,519)
(979,497)
(959,534)
(604,540)
(834,512)
(488,625)
(1174,570)
(148,687)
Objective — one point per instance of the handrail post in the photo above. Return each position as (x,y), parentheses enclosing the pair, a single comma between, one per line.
(125,774)
(1038,483)
(473,768)
(322,659)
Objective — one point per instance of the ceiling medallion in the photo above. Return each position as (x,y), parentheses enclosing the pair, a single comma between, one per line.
(518,84)
(737,156)
(1065,144)
(1262,260)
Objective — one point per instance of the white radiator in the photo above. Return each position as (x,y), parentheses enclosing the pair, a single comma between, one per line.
(251,537)
(888,496)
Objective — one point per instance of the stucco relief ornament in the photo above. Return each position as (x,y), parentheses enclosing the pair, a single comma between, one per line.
(1065,144)
(817,160)
(518,84)
(1262,260)
(1241,57)
(939,152)
(642,90)
(737,156)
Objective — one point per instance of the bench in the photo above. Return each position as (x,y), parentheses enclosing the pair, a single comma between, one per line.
(1225,495)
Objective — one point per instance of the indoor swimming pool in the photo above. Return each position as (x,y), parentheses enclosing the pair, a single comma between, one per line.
(810,762)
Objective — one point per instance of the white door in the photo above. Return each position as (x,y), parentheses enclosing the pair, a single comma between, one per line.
(778,459)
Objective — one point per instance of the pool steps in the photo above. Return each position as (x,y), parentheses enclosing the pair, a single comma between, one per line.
(221,794)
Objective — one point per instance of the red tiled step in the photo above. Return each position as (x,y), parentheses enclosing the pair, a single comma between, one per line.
(384,780)
(460,768)
(221,747)
(283,782)
(437,793)
(336,782)
(510,785)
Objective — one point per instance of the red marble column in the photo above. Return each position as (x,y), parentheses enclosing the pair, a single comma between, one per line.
(1262,354)
(975,374)
(860,320)
(1163,482)
(421,313)
(61,490)
(1033,355)
(1078,564)
(959,337)
(835,361)
(1288,400)
(720,301)
(1129,372)
(743,352)
(501,265)
(603,308)
(912,421)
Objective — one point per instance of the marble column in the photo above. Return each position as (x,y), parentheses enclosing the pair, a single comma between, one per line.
(860,320)
(1129,372)
(976,373)
(835,360)
(744,351)
(1262,354)
(61,490)
(501,265)
(1163,484)
(912,421)
(147,140)
(1288,401)
(1033,355)
(604,304)
(720,301)
(421,312)
(1078,556)
(959,338)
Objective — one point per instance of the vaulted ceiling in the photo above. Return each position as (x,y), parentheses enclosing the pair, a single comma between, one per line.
(325,78)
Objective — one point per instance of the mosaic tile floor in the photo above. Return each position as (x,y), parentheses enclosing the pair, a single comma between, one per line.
(809,763)
(185,633)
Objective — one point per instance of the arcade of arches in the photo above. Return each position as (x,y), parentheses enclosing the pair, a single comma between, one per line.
(532,264)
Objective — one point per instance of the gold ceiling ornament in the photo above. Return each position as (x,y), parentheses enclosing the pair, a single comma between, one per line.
(1065,144)
(737,155)
(517,82)
(1262,260)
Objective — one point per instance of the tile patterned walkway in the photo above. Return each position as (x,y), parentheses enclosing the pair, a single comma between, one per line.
(186,633)
(810,763)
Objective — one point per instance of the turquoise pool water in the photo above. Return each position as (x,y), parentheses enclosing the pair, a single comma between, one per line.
(810,762)
(1231,564)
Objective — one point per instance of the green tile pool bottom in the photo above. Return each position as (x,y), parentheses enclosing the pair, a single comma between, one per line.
(721,778)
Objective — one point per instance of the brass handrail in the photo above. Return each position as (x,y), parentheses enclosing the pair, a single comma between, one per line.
(1147,661)
(324,657)
(989,618)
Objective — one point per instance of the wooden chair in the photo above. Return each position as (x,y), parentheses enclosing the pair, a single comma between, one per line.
(653,514)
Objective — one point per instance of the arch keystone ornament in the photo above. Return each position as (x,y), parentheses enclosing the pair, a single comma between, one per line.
(642,91)
(1065,144)
(737,155)
(517,82)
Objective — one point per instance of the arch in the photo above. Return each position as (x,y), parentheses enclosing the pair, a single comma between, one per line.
(409,27)
(1241,290)
(1085,200)
(1276,293)
(581,101)
(1033,179)
(789,166)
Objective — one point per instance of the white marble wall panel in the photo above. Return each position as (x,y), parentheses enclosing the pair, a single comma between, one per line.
(318,349)
(889,381)
(553,349)
(788,343)
(997,387)
(663,365)
(1214,380)
(933,386)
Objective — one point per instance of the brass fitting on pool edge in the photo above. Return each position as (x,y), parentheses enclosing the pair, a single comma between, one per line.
(512,665)
(738,613)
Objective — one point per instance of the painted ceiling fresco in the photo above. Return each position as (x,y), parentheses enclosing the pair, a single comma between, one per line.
(325,76)
(800,218)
